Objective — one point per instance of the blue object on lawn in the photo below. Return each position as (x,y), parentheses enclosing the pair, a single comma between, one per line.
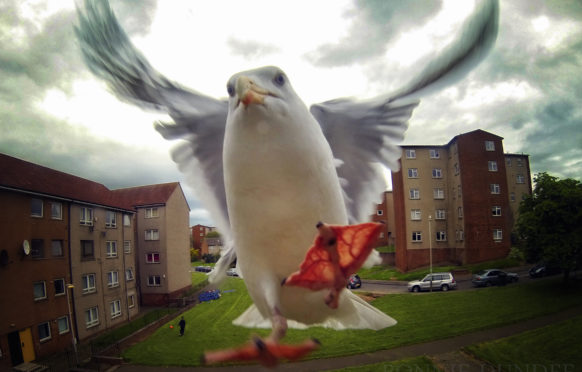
(209,295)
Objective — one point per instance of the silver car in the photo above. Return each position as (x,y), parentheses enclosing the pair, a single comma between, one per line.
(442,281)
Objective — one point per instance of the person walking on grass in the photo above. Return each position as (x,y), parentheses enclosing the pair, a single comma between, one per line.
(182,325)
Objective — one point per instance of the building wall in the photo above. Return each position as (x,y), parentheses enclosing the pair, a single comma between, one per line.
(100,265)
(391,235)
(518,182)
(381,216)
(177,242)
(19,310)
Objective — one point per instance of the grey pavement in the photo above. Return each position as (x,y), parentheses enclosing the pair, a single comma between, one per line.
(440,350)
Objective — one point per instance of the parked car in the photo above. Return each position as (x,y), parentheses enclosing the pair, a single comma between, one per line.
(442,281)
(491,277)
(232,272)
(354,282)
(543,269)
(203,269)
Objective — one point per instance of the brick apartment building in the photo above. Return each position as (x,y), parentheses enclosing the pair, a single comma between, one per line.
(162,227)
(70,241)
(198,234)
(465,193)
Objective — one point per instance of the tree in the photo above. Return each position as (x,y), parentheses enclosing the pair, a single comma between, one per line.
(550,223)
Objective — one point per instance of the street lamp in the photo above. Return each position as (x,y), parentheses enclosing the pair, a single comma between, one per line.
(430,248)
(74,339)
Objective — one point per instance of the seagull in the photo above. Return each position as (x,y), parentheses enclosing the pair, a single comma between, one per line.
(268,168)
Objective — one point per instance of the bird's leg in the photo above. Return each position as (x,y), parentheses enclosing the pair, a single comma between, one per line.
(279,326)
(330,245)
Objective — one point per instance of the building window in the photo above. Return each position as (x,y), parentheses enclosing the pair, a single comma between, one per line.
(56,211)
(87,250)
(129,274)
(154,281)
(460,235)
(37,248)
(519,162)
(437,173)
(110,219)
(410,154)
(44,332)
(441,236)
(127,246)
(494,188)
(492,165)
(152,234)
(126,220)
(379,212)
(151,213)
(115,307)
(434,154)
(92,317)
(153,257)
(489,146)
(131,301)
(416,236)
(415,214)
(457,169)
(412,172)
(36,207)
(88,282)
(57,248)
(496,210)
(440,214)
(459,191)
(39,290)
(508,162)
(414,194)
(63,323)
(439,193)
(512,196)
(86,216)
(497,234)
(460,212)
(113,279)
(520,178)
(111,248)
(59,286)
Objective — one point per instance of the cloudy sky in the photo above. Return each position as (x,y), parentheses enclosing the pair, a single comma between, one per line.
(55,113)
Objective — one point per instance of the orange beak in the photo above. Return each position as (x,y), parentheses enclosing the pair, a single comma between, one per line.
(249,92)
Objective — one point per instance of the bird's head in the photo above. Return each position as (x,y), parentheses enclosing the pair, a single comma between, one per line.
(264,91)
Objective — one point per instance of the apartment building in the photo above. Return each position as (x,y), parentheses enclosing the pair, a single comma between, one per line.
(457,202)
(198,234)
(57,229)
(163,244)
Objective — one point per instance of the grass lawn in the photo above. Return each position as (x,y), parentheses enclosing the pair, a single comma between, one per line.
(422,364)
(552,348)
(421,317)
(390,273)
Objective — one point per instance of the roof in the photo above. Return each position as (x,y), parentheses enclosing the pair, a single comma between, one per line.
(146,195)
(33,178)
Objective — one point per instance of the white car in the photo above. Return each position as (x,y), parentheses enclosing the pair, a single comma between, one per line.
(439,281)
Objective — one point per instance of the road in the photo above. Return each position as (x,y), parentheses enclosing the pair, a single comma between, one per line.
(463,283)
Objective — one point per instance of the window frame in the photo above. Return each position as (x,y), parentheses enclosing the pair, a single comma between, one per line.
(492,166)
(115,308)
(159,281)
(84,245)
(85,283)
(437,173)
(415,214)
(48,328)
(64,286)
(410,153)
(66,318)
(111,249)
(110,219)
(416,236)
(496,211)
(441,236)
(113,279)
(414,194)
(60,243)
(44,296)
(33,208)
(434,154)
(497,235)
(412,172)
(131,276)
(131,300)
(438,193)
(37,248)
(86,216)
(92,320)
(152,212)
(520,179)
(59,216)
(489,145)
(152,260)
(127,243)
(152,234)
(440,214)
(495,188)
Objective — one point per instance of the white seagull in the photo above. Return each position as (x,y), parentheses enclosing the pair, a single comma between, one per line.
(268,168)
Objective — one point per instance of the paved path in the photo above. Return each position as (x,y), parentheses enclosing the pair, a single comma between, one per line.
(443,351)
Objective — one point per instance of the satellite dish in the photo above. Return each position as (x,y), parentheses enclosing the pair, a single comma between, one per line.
(26,247)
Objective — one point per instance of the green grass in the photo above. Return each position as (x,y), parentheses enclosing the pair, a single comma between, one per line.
(198,278)
(391,273)
(555,345)
(421,318)
(422,364)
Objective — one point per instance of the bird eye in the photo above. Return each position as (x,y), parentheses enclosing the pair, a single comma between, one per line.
(230,89)
(279,79)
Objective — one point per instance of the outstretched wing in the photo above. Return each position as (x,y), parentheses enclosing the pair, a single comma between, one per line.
(198,119)
(364,134)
